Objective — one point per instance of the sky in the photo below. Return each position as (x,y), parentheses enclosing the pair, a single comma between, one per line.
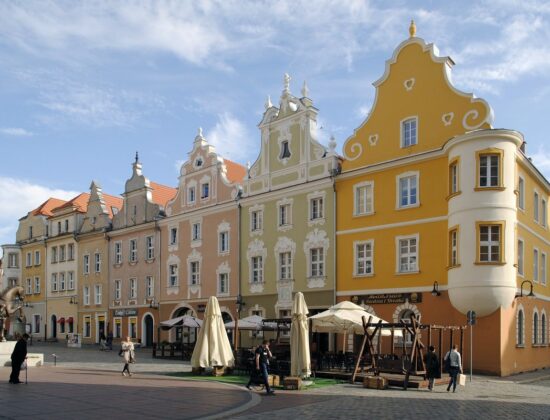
(86,84)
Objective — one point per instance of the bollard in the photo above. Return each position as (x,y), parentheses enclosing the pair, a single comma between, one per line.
(54,359)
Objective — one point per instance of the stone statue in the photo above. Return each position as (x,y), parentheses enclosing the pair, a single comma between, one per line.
(11,300)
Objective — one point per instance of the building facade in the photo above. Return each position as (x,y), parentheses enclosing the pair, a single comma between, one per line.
(200,236)
(428,202)
(288,213)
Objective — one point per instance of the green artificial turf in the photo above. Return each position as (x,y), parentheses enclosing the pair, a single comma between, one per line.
(243,380)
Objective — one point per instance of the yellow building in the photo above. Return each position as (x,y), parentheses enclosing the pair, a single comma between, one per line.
(433,199)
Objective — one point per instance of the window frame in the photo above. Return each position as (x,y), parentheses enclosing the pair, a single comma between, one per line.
(194,273)
(317,267)
(454,178)
(132,250)
(118,289)
(368,187)
(133,289)
(490,152)
(173,275)
(149,286)
(70,280)
(409,255)
(223,242)
(536,210)
(403,176)
(86,295)
(368,246)
(118,252)
(37,285)
(150,247)
(403,131)
(86,264)
(502,242)
(37,257)
(543,212)
(98,294)
(285,266)
(521,193)
(536,264)
(97,262)
(221,290)
(543,267)
(521,257)
(453,257)
(257,269)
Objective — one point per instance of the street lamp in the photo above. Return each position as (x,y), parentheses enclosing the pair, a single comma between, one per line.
(435,290)
(240,303)
(520,294)
(153,305)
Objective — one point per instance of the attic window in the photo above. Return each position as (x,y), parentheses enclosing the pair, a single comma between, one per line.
(198,162)
(114,210)
(285,150)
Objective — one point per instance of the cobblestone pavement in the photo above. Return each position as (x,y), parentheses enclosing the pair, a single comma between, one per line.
(87,383)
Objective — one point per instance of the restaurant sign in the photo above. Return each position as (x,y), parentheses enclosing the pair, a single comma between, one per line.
(389,298)
(125,312)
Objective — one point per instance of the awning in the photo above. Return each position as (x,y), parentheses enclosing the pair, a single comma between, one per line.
(61,320)
(70,320)
(182,321)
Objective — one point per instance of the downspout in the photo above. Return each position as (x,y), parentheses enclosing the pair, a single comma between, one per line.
(239,296)
(157,227)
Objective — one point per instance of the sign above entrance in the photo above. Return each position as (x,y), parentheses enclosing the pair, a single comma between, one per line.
(125,312)
(385,298)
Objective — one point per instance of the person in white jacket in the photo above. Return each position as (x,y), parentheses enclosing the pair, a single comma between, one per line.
(127,349)
(454,362)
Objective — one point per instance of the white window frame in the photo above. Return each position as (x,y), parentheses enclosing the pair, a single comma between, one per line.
(536,202)
(97,262)
(194,273)
(86,295)
(118,252)
(37,285)
(404,129)
(132,290)
(317,207)
(149,286)
(70,252)
(317,264)
(173,236)
(536,254)
(543,212)
(70,280)
(28,283)
(521,193)
(36,257)
(54,254)
(54,282)
(86,264)
(28,259)
(285,265)
(521,257)
(364,260)
(132,246)
(192,194)
(543,268)
(196,231)
(205,190)
(118,289)
(490,244)
(62,254)
(256,220)
(62,283)
(98,294)
(173,275)
(257,269)
(221,290)
(223,242)
(399,191)
(361,201)
(284,214)
(150,247)
(408,255)
(489,179)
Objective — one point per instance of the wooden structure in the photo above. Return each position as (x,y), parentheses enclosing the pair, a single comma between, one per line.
(411,362)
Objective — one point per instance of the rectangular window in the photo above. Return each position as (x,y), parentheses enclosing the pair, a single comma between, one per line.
(30,232)
(36,257)
(195,272)
(453,178)
(61,281)
(66,225)
(86,264)
(285,266)
(28,261)
(54,282)
(520,257)
(364,199)
(453,248)
(98,294)
(118,289)
(191,195)
(489,170)
(150,243)
(543,212)
(257,270)
(118,252)
(408,132)
(133,288)
(316,208)
(284,214)
(70,280)
(132,323)
(223,283)
(62,253)
(87,327)
(317,260)
(133,250)
(285,314)
(149,286)
(521,193)
(173,275)
(256,220)
(408,255)
(196,232)
(36,324)
(205,190)
(364,258)
(223,241)
(86,295)
(536,206)
(97,264)
(173,236)
(59,228)
(408,191)
(37,285)
(70,252)
(28,290)
(536,265)
(117,328)
(490,243)
(543,268)
(54,254)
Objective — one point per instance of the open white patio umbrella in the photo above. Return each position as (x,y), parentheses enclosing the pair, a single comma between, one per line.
(253,323)
(212,347)
(300,361)
(182,321)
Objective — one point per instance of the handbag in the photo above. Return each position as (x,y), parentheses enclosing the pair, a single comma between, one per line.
(462,379)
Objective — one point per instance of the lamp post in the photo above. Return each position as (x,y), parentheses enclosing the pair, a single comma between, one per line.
(435,290)
(153,304)
(520,294)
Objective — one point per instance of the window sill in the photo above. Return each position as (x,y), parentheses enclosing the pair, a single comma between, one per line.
(450,267)
(132,263)
(453,195)
(404,273)
(117,265)
(410,206)
(150,260)
(490,263)
(355,275)
(489,188)
(370,213)
(539,345)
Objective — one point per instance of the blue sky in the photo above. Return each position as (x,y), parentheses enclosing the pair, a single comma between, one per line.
(83,85)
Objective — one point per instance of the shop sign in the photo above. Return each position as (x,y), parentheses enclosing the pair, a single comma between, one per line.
(125,312)
(389,298)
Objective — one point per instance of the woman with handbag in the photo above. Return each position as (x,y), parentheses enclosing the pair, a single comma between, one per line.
(127,349)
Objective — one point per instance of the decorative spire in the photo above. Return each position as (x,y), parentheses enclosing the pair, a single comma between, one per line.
(412,29)
(268,103)
(332,143)
(286,81)
(137,165)
(305,90)
(199,136)
(137,157)
(200,132)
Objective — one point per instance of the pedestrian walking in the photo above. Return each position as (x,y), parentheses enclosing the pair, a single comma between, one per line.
(261,357)
(18,356)
(453,362)
(109,340)
(102,341)
(127,350)
(432,367)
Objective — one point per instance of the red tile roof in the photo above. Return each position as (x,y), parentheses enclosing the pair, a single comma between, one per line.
(235,172)
(45,209)
(112,201)
(162,194)
(80,202)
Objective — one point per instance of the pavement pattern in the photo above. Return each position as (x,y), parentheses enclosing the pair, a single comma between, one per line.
(87,383)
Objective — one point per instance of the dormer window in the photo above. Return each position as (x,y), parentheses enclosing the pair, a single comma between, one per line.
(198,162)
(114,210)
(285,150)
(409,132)
(205,190)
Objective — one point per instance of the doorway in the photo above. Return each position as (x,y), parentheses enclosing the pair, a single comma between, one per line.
(54,326)
(148,321)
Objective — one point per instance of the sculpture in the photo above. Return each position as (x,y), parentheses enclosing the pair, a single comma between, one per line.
(11,300)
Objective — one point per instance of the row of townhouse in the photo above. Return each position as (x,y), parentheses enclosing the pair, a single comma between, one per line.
(431,211)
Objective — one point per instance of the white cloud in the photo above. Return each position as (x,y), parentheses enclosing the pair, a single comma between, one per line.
(16,131)
(17,198)
(232,140)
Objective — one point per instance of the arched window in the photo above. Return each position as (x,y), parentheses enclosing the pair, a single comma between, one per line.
(535,327)
(520,328)
(543,336)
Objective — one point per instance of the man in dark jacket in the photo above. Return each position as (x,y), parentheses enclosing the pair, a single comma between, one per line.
(17,358)
(432,367)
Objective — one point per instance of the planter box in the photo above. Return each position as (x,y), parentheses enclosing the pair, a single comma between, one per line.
(375,382)
(292,382)
(273,380)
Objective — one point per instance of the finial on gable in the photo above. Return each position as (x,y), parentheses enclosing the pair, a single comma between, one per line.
(200,132)
(286,81)
(268,103)
(412,29)
(137,157)
(332,143)
(305,90)
(199,136)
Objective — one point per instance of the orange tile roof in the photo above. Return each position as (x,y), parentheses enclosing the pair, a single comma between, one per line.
(45,209)
(80,202)
(235,172)
(112,201)
(162,194)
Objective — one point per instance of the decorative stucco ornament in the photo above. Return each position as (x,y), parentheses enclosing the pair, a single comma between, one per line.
(412,29)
